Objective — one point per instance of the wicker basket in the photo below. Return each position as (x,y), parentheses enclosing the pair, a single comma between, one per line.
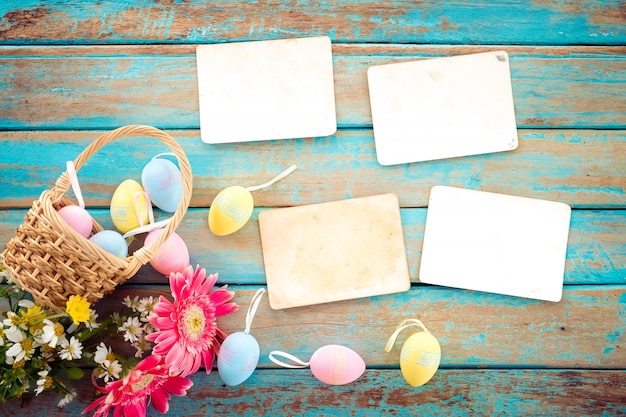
(52,261)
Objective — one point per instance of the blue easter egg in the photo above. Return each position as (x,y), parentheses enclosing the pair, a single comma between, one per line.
(237,358)
(162,180)
(112,242)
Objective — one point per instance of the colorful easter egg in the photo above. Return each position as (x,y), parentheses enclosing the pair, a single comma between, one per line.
(172,255)
(112,242)
(124,208)
(230,210)
(336,365)
(77,218)
(162,180)
(237,358)
(419,358)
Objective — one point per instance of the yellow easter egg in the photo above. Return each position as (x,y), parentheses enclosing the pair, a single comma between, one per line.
(230,210)
(124,210)
(420,357)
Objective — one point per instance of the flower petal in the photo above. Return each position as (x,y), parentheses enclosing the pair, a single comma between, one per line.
(160,400)
(175,357)
(135,409)
(208,357)
(177,282)
(148,363)
(224,309)
(163,323)
(164,307)
(207,284)
(185,343)
(221,295)
(177,385)
(94,405)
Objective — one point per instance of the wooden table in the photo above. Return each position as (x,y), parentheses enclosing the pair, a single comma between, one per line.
(70,72)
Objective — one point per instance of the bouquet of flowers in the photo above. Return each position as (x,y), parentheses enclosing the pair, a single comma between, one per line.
(43,350)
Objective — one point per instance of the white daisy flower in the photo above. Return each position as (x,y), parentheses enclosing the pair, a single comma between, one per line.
(46,355)
(92,323)
(23,348)
(117,319)
(133,303)
(13,321)
(146,307)
(148,328)
(103,353)
(132,329)
(24,303)
(141,345)
(43,382)
(14,334)
(53,333)
(69,397)
(110,370)
(71,350)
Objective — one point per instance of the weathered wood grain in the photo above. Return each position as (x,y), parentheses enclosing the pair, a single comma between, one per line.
(69,70)
(596,252)
(586,329)
(384,392)
(398,21)
(583,168)
(105,87)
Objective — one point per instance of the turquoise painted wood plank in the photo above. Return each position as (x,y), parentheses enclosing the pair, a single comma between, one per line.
(596,252)
(586,329)
(583,168)
(383,392)
(545,84)
(87,66)
(397,21)
(103,87)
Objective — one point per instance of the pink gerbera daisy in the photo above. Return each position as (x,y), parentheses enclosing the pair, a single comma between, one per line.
(150,380)
(187,334)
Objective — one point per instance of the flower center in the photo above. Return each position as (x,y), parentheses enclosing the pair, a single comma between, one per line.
(143,383)
(58,330)
(193,321)
(27,345)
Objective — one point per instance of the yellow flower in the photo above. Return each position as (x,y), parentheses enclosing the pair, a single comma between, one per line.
(78,308)
(33,314)
(33,317)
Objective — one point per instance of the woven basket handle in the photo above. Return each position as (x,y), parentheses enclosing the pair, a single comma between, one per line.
(143,255)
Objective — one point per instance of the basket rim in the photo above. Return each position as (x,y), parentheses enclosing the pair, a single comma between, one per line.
(121,268)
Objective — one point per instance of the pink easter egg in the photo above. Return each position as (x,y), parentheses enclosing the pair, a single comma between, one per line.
(77,218)
(336,365)
(172,256)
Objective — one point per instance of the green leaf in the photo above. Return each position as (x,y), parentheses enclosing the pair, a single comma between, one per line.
(74,373)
